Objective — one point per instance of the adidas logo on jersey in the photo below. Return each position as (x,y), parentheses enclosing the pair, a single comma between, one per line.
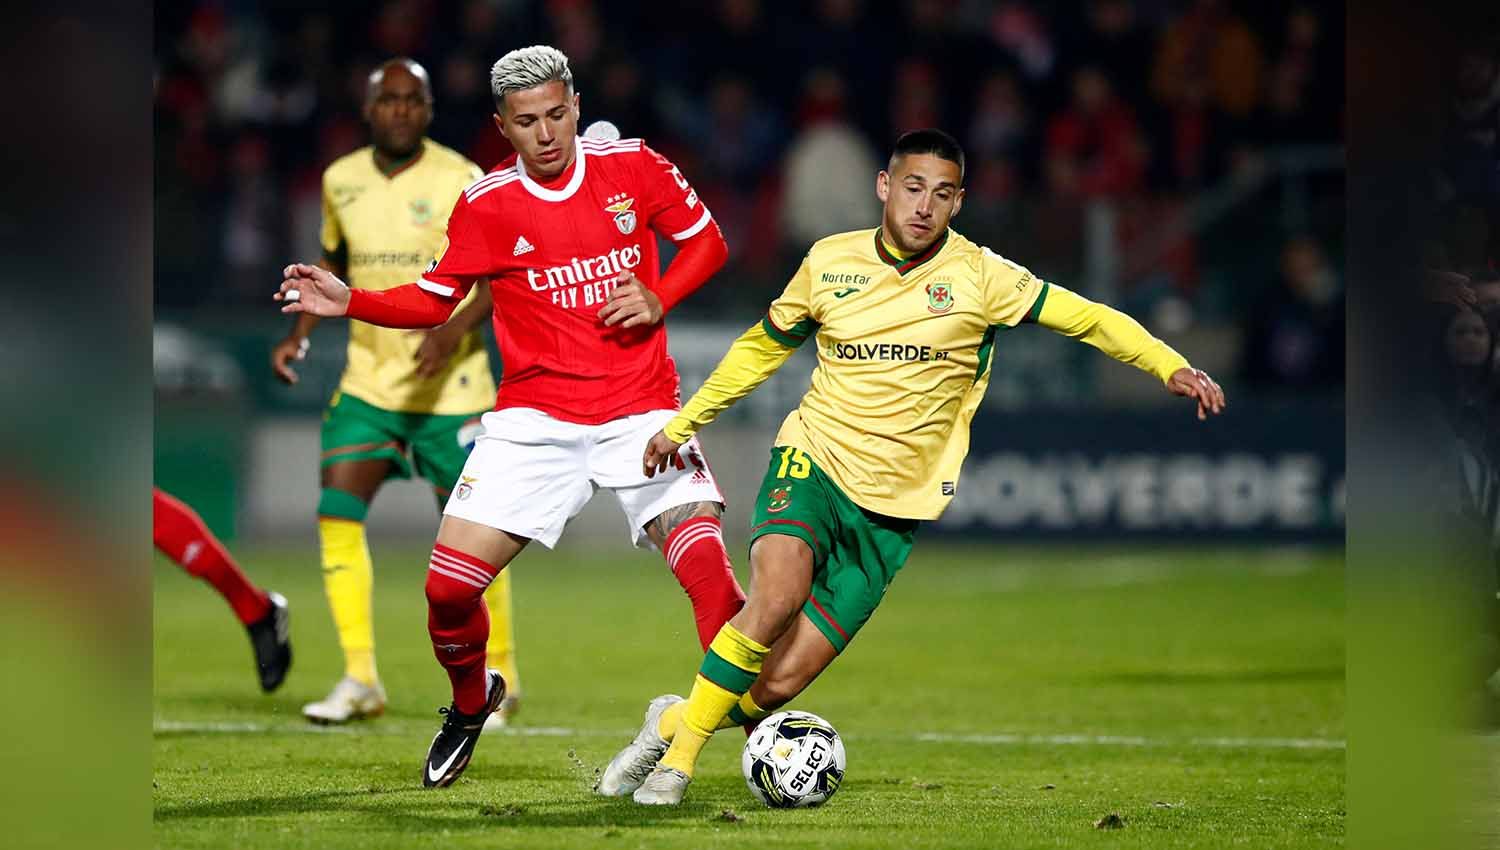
(522,246)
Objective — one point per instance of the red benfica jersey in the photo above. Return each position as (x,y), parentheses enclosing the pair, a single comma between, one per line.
(551,253)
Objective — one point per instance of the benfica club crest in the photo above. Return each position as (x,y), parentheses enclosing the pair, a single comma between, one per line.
(779,499)
(620,206)
(466,487)
(939,297)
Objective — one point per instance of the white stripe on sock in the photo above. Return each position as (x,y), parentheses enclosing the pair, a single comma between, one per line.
(684,541)
(456,577)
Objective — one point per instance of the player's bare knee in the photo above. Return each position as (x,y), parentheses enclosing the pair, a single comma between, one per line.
(770,612)
(772,691)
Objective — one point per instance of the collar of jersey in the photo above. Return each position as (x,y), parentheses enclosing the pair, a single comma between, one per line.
(399,167)
(903,266)
(555,195)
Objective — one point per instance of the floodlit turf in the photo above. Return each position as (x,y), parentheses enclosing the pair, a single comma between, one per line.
(1001,697)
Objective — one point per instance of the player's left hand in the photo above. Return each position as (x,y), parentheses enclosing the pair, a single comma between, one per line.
(659,454)
(1196,384)
(631,304)
(437,347)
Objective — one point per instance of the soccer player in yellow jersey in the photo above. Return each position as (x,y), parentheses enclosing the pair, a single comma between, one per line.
(409,401)
(905,318)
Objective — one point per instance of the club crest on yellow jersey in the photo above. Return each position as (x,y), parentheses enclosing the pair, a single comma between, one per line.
(620,206)
(421,212)
(939,296)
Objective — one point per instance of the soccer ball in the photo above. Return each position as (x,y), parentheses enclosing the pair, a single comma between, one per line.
(793,759)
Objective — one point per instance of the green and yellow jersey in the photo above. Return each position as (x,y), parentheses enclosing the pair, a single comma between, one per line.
(383,230)
(904,356)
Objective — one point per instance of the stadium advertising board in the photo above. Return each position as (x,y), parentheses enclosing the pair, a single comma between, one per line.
(1261,472)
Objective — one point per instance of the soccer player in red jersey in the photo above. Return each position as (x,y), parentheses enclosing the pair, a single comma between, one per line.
(179,533)
(567,238)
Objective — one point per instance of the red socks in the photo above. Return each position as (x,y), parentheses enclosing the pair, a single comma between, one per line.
(695,552)
(459,622)
(181,535)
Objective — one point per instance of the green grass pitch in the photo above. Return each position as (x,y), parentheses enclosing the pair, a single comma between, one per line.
(1001,697)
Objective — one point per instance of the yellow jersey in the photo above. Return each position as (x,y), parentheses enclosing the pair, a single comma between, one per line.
(384,230)
(904,352)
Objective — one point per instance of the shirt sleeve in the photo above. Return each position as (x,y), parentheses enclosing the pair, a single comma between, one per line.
(1010,290)
(669,205)
(753,358)
(330,234)
(790,320)
(463,258)
(1108,330)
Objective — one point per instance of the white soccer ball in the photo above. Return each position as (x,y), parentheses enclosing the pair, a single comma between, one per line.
(604,130)
(793,759)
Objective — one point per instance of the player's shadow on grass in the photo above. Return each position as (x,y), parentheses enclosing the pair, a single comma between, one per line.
(1221,677)
(413,808)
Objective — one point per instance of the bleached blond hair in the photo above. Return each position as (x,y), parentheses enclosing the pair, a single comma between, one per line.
(529,67)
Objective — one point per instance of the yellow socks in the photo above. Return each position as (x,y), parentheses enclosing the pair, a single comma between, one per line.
(729,668)
(500,652)
(746,711)
(348,579)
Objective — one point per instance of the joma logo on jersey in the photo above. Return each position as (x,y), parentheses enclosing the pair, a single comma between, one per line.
(939,296)
(577,270)
(850,283)
(343,196)
(619,206)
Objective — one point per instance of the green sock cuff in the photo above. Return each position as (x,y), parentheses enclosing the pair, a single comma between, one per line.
(727,676)
(337,503)
(738,717)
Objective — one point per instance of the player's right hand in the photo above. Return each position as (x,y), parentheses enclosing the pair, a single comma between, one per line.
(289,349)
(659,454)
(319,291)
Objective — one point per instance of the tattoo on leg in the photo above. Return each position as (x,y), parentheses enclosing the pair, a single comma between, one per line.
(666,522)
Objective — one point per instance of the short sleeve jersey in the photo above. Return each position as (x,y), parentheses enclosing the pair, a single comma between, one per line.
(552,252)
(384,229)
(904,349)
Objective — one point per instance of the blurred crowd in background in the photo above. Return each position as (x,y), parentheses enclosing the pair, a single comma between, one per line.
(1462,254)
(1195,146)
(1461,213)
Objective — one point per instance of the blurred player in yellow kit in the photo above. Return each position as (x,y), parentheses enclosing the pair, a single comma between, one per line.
(905,318)
(409,402)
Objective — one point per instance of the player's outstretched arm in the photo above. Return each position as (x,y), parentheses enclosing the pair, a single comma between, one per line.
(753,358)
(320,293)
(1124,339)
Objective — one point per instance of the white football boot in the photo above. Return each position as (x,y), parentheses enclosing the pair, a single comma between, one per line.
(664,787)
(627,770)
(349,700)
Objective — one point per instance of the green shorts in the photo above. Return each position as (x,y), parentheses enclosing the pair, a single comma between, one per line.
(856,553)
(432,446)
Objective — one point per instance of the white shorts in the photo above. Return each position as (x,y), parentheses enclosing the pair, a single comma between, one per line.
(530,473)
